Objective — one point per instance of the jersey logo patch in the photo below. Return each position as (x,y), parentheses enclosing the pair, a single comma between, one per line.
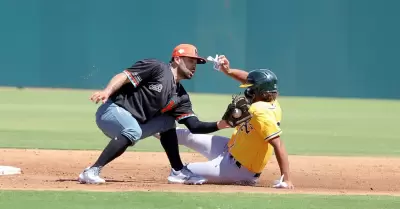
(156,87)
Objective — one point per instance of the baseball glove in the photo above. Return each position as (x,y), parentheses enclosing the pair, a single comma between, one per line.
(237,111)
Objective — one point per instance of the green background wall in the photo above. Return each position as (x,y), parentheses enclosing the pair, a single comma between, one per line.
(340,48)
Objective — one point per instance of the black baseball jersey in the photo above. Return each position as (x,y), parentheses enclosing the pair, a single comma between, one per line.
(152,91)
(182,108)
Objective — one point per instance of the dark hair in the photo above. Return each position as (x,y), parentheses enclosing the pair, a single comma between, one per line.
(269,96)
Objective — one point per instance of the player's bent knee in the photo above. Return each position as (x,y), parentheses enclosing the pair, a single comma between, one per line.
(133,134)
(165,123)
(157,125)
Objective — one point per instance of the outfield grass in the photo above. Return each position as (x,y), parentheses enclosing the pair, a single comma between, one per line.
(61,119)
(156,200)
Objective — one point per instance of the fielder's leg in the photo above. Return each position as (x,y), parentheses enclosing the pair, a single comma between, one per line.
(179,172)
(124,131)
(166,126)
(163,124)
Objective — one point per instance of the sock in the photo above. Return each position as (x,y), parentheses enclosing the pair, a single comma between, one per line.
(114,149)
(169,141)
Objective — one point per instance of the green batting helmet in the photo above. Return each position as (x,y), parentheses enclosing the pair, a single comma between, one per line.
(261,80)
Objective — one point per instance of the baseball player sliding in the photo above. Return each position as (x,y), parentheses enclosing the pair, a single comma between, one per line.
(256,118)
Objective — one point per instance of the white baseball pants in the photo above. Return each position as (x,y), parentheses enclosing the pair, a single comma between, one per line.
(221,168)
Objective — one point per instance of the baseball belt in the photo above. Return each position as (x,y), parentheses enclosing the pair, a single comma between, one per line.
(239,165)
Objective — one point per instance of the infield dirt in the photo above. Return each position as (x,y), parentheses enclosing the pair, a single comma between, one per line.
(144,171)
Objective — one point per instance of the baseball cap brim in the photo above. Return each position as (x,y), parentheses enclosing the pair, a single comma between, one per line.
(245,85)
(200,60)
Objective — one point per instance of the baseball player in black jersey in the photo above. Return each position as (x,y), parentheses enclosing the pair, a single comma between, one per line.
(139,102)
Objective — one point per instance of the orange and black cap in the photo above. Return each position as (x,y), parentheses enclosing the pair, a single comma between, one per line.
(188,50)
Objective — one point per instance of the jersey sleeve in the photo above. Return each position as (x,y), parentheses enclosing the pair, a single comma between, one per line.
(142,70)
(183,111)
(265,122)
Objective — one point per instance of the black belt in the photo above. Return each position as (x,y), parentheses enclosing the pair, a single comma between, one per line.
(239,165)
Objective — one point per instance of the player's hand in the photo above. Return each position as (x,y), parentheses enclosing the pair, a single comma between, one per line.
(222,124)
(224,64)
(281,184)
(100,96)
(289,185)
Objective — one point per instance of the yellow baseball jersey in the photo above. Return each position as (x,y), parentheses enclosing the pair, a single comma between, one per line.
(249,142)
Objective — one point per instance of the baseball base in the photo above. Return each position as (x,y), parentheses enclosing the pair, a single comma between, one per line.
(9,170)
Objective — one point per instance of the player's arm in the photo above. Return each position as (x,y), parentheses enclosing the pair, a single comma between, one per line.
(181,108)
(265,123)
(184,115)
(281,156)
(141,71)
(113,85)
(238,75)
(135,74)
(116,82)
(199,127)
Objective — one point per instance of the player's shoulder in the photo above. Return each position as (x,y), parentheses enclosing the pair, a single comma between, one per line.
(151,63)
(261,106)
(264,107)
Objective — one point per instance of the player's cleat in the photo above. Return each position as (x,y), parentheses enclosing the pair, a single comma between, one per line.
(91,175)
(185,176)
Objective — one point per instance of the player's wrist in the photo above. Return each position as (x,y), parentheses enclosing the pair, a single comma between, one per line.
(228,72)
(222,124)
(218,125)
(286,176)
(108,91)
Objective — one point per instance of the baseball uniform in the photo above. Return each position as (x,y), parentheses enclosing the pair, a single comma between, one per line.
(135,111)
(241,158)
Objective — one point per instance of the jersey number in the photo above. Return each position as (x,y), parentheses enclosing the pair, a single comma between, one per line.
(247,127)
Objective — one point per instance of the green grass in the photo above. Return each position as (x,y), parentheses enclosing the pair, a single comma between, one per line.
(156,200)
(62,119)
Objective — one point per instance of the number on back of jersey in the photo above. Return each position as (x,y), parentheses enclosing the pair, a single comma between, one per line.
(247,127)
